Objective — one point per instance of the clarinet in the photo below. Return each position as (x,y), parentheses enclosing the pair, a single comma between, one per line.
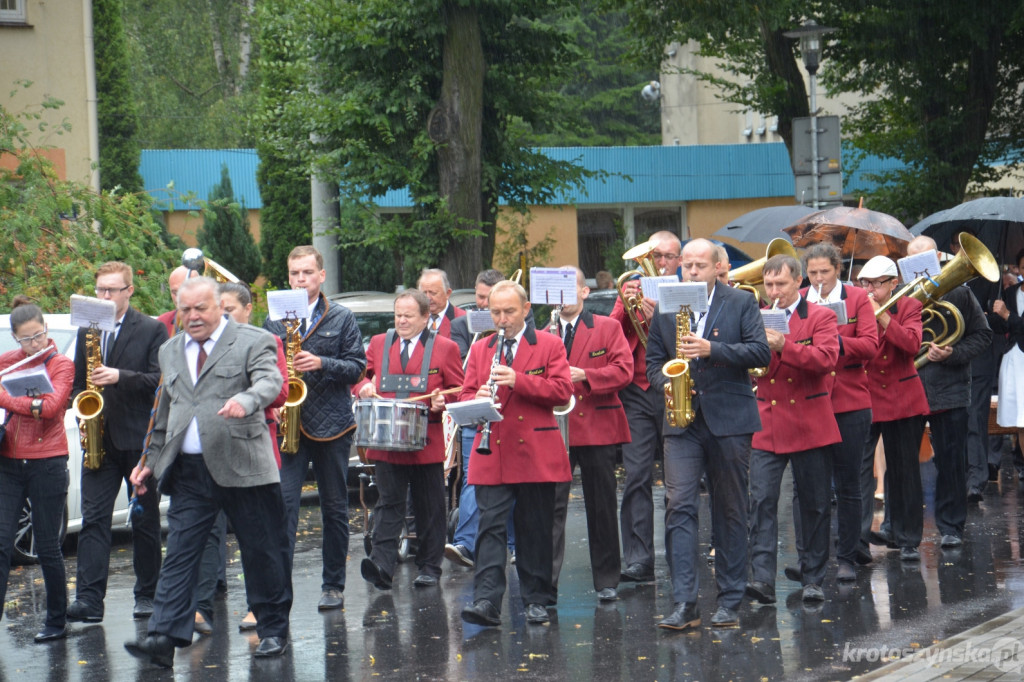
(485,436)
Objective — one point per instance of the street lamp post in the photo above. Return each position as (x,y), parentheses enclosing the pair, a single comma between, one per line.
(810,49)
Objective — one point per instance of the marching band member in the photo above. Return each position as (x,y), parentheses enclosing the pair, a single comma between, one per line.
(410,360)
(600,365)
(129,375)
(798,428)
(947,384)
(851,401)
(898,406)
(434,283)
(721,347)
(645,413)
(530,377)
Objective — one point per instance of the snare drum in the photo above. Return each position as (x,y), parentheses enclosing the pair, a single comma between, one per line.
(386,424)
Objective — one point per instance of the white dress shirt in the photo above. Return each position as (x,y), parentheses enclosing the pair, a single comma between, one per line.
(192,443)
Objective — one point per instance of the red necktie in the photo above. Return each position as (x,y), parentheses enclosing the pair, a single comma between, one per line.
(201,360)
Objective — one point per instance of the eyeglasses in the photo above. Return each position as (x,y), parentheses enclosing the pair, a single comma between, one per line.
(102,291)
(658,255)
(31,339)
(873,283)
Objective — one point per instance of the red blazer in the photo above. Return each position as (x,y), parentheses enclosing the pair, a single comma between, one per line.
(896,389)
(858,342)
(450,313)
(168,319)
(526,446)
(445,372)
(618,314)
(599,348)
(793,397)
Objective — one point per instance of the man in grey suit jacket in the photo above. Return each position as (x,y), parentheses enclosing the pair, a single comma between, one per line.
(211,450)
(721,347)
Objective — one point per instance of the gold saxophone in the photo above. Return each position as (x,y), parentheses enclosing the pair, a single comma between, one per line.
(88,405)
(291,415)
(678,391)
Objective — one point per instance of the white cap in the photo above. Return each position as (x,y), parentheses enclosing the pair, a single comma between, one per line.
(879,266)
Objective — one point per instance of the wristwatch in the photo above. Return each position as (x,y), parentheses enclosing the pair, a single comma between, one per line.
(37,408)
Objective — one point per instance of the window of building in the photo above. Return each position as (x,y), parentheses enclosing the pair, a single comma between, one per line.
(12,11)
(650,220)
(598,234)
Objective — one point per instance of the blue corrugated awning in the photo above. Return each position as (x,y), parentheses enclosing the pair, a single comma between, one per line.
(172,175)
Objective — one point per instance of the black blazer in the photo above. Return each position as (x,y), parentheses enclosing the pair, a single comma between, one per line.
(127,403)
(1014,324)
(725,394)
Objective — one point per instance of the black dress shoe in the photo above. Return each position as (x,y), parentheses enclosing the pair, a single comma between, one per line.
(80,612)
(637,573)
(481,612)
(975,496)
(881,538)
(846,572)
(51,633)
(725,618)
(536,614)
(684,616)
(607,594)
(373,574)
(271,646)
(794,574)
(157,649)
(909,554)
(143,608)
(762,592)
(425,580)
(863,557)
(812,593)
(330,599)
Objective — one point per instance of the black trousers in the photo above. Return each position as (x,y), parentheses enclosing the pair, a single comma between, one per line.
(949,442)
(533,518)
(426,484)
(645,411)
(100,488)
(597,474)
(257,515)
(904,499)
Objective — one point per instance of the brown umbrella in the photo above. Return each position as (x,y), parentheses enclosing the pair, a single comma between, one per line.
(859,233)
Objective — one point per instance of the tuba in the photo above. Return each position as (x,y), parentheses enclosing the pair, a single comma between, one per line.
(291,415)
(973,260)
(194,260)
(88,405)
(678,391)
(641,253)
(748,277)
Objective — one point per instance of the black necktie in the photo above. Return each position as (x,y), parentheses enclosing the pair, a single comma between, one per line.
(108,342)
(570,332)
(509,343)
(405,353)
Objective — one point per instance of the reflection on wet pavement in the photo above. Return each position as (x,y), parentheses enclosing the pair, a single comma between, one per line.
(417,633)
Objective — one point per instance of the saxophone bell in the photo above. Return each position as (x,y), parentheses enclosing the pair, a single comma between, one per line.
(88,405)
(679,410)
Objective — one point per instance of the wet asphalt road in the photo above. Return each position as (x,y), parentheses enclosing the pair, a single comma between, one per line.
(412,633)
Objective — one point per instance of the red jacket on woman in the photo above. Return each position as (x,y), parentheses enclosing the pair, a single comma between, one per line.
(28,437)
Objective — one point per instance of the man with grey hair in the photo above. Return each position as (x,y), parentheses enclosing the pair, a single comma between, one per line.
(434,283)
(947,384)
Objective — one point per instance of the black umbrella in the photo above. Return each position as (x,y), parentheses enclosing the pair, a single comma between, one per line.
(997,221)
(764,224)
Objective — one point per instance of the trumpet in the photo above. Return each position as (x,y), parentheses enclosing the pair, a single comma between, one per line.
(751,275)
(641,253)
(485,436)
(678,399)
(974,260)
(291,415)
(88,405)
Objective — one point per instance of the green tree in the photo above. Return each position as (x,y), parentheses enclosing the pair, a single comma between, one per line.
(436,97)
(225,236)
(67,229)
(115,106)
(939,80)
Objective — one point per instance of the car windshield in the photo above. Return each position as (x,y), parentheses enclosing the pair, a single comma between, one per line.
(371,324)
(62,337)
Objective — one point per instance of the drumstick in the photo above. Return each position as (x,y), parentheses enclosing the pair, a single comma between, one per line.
(431,395)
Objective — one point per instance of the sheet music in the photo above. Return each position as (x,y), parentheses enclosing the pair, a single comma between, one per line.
(284,303)
(649,285)
(675,295)
(924,263)
(473,412)
(28,382)
(479,321)
(553,286)
(775,319)
(87,311)
(839,308)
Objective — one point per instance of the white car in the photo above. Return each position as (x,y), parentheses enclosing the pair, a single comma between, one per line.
(64,335)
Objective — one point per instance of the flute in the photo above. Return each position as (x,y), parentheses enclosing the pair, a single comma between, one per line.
(485,436)
(25,361)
